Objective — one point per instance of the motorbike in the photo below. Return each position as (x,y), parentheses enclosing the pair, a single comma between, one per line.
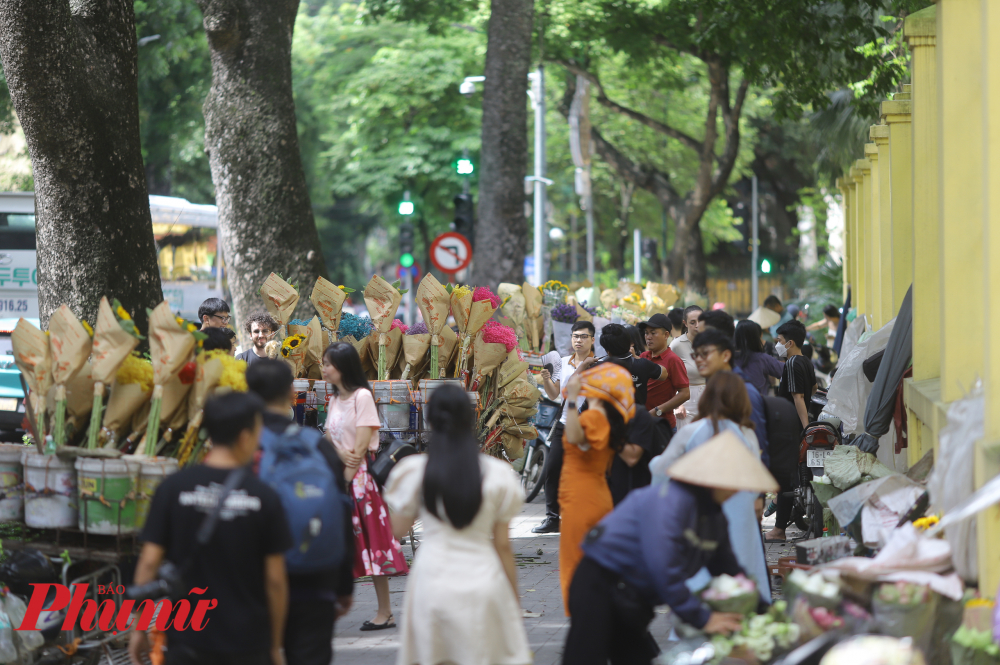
(538,449)
(818,441)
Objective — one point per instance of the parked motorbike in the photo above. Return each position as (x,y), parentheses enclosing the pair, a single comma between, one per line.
(537,450)
(818,441)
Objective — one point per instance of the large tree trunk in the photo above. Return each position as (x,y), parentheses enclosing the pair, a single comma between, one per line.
(265,217)
(501,228)
(71,68)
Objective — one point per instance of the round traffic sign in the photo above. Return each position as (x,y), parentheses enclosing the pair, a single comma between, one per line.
(451,252)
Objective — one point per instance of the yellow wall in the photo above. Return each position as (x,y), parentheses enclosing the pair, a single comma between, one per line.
(923,208)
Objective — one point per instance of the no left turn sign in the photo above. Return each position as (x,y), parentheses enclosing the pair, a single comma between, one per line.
(451,252)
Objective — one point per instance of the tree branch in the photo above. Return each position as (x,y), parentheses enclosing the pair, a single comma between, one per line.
(685,139)
(642,175)
(731,122)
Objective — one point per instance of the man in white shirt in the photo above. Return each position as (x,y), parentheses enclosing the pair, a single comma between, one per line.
(581,358)
(682,347)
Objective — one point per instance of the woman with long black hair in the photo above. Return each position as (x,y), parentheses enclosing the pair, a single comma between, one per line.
(750,361)
(461,603)
(352,426)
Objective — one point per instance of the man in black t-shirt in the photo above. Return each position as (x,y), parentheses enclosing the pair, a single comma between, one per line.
(617,343)
(260,326)
(317,600)
(798,381)
(242,566)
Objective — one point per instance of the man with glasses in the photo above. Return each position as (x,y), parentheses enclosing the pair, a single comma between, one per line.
(261,328)
(214,313)
(662,397)
(582,357)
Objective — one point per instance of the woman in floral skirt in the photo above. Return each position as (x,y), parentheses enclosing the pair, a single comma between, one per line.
(352,426)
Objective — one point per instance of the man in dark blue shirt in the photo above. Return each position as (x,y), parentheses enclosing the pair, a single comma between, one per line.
(643,553)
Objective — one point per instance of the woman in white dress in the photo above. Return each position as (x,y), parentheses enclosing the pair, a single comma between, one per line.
(461,604)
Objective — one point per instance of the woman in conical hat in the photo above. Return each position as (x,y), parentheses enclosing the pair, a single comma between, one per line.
(590,442)
(643,553)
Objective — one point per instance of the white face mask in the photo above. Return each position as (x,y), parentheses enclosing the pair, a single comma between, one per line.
(780,348)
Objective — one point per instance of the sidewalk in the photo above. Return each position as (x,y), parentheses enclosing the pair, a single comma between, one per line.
(537,558)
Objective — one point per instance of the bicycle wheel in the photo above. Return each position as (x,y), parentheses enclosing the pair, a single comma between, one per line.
(531,478)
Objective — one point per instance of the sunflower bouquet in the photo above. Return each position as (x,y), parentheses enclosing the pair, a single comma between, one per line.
(130,390)
(293,350)
(216,370)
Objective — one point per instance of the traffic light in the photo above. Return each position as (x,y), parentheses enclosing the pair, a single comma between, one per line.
(406,205)
(406,245)
(464,166)
(765,267)
(464,216)
(649,248)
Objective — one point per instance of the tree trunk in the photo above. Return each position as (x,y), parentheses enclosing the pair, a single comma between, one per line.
(265,216)
(501,228)
(71,69)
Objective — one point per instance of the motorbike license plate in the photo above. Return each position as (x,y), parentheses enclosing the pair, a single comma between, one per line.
(817,458)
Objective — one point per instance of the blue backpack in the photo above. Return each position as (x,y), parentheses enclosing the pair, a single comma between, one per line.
(294,467)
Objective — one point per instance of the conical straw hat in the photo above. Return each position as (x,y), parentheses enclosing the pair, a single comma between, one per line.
(725,462)
(764,317)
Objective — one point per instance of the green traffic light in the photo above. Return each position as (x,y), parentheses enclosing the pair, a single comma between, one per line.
(406,207)
(765,266)
(406,260)
(464,166)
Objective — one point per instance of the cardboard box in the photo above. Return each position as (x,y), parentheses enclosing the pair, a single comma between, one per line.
(821,550)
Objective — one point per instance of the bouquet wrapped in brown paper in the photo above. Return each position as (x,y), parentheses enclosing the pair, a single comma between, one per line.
(434,302)
(131,389)
(113,343)
(662,296)
(171,348)
(33,356)
(71,345)
(78,391)
(414,351)
(328,299)
(514,309)
(392,350)
(314,352)
(534,318)
(448,353)
(512,368)
(382,300)
(472,308)
(280,298)
(293,349)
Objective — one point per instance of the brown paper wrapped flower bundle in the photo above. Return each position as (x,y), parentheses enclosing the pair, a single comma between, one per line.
(534,319)
(328,299)
(470,317)
(71,346)
(280,298)
(382,300)
(414,352)
(33,356)
(113,343)
(171,348)
(514,309)
(434,302)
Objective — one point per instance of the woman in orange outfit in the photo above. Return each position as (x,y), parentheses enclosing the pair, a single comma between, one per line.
(596,436)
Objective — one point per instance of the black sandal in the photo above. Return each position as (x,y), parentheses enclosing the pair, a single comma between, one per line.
(368,625)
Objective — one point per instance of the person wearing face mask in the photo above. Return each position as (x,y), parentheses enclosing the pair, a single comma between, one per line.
(798,381)
(688,411)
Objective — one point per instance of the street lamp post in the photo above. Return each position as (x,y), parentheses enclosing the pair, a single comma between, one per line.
(754,296)
(538,181)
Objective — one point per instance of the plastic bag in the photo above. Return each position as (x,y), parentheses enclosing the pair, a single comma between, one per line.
(848,394)
(952,480)
(847,467)
(852,335)
(15,609)
(8,650)
(562,333)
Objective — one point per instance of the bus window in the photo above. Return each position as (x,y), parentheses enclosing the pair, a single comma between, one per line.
(17,230)
(186,253)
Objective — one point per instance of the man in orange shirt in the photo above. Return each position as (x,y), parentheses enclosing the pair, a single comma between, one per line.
(662,397)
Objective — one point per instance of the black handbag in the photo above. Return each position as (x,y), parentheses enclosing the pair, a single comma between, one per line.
(387,457)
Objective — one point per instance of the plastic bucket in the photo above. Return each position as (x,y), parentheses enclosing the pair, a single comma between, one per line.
(152,471)
(392,401)
(107,495)
(49,491)
(428,386)
(11,482)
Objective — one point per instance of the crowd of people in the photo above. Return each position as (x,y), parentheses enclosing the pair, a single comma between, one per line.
(654,483)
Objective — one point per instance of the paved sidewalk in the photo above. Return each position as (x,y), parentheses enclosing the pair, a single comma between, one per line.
(537,558)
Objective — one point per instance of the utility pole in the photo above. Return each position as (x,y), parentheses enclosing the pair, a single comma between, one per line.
(637,255)
(540,182)
(754,242)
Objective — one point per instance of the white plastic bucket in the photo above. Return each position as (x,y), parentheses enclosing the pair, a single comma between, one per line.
(152,471)
(49,491)
(107,495)
(11,482)
(392,401)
